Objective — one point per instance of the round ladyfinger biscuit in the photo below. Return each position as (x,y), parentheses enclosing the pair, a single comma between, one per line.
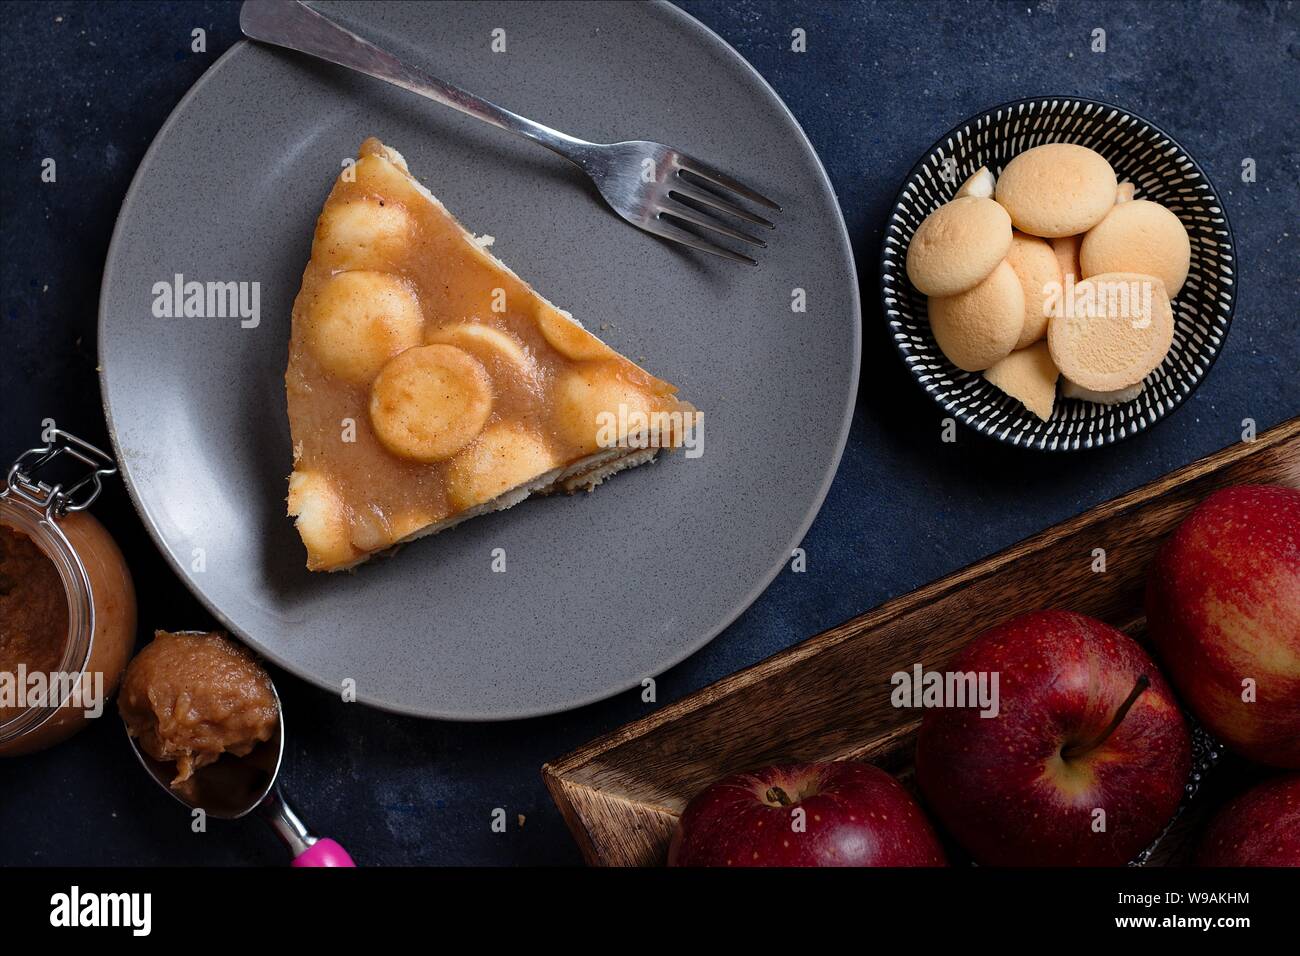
(958,245)
(1139,236)
(1039,272)
(1117,397)
(364,233)
(980,183)
(1115,330)
(1067,254)
(377,175)
(568,337)
(1057,190)
(504,456)
(1029,376)
(491,345)
(321,519)
(586,398)
(430,401)
(980,326)
(358,320)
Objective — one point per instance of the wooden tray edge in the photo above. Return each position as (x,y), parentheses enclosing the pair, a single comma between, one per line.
(569,795)
(557,769)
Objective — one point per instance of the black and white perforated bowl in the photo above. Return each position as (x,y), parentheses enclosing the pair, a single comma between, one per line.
(1161,170)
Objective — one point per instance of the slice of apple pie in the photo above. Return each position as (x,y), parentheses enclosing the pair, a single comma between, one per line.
(428,383)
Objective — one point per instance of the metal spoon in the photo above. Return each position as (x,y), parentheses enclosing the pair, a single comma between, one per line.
(234,787)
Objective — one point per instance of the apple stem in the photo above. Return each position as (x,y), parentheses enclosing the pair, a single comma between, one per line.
(1078,750)
(779,796)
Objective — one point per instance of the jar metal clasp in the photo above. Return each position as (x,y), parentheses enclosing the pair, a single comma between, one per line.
(57,499)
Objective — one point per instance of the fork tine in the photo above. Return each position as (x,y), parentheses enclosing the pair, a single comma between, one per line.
(712,174)
(705,221)
(706,198)
(667,230)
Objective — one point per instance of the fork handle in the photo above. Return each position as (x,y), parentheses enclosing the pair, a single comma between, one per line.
(294,25)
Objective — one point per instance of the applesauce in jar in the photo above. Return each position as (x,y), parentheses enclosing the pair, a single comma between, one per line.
(67,602)
(33,612)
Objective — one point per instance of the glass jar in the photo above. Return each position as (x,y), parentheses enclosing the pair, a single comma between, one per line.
(37,711)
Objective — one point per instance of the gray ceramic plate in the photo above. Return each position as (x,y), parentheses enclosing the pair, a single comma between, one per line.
(600,591)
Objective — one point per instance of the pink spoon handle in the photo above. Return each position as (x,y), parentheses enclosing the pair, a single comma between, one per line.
(324,852)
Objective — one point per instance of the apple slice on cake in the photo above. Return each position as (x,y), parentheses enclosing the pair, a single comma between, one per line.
(427,383)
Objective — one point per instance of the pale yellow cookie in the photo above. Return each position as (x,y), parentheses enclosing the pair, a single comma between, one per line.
(1139,236)
(1057,190)
(980,184)
(569,338)
(1039,272)
(492,346)
(1029,376)
(1120,395)
(1115,329)
(430,402)
(1067,254)
(1124,192)
(504,456)
(363,233)
(596,407)
(958,245)
(321,519)
(357,321)
(978,327)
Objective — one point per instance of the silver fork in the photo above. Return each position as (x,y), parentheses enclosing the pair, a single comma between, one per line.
(653,186)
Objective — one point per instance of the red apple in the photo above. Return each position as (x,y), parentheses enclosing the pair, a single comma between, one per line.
(1223,610)
(1259,828)
(1085,762)
(814,814)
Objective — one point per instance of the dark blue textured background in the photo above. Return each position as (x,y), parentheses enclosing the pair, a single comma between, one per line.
(90,84)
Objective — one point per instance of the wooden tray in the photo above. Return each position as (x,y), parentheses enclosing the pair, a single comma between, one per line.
(828,697)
